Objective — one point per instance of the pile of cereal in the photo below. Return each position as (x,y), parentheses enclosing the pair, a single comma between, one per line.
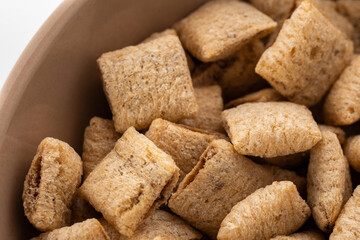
(175,163)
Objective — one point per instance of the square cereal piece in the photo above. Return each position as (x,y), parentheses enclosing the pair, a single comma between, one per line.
(307,56)
(131,182)
(184,144)
(148,81)
(211,105)
(160,224)
(220,180)
(99,139)
(219,28)
(271,129)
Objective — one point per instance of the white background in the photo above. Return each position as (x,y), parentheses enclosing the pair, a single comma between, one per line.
(19,21)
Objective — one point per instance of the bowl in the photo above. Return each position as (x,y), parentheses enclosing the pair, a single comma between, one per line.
(55,87)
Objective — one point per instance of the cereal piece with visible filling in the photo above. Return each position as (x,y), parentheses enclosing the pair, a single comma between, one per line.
(148,81)
(131,182)
(307,57)
(221,27)
(274,210)
(50,184)
(90,229)
(326,195)
(347,226)
(210,107)
(263,95)
(161,225)
(99,139)
(271,129)
(184,144)
(307,235)
(221,179)
(352,151)
(341,106)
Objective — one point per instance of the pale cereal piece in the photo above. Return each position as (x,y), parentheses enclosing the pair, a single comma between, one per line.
(274,210)
(131,182)
(263,95)
(148,81)
(271,129)
(277,10)
(81,210)
(219,28)
(328,8)
(90,229)
(347,225)
(306,235)
(341,135)
(287,161)
(99,139)
(341,106)
(307,56)
(50,184)
(210,107)
(184,144)
(160,225)
(326,194)
(221,179)
(352,151)
(157,35)
(351,10)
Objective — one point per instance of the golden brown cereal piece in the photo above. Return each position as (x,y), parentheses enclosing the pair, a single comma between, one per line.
(184,144)
(219,28)
(50,184)
(348,183)
(157,35)
(131,182)
(90,229)
(277,10)
(341,135)
(274,210)
(352,151)
(341,106)
(148,81)
(161,225)
(307,56)
(81,210)
(271,129)
(326,194)
(110,230)
(221,179)
(307,235)
(210,107)
(263,95)
(351,10)
(347,225)
(99,139)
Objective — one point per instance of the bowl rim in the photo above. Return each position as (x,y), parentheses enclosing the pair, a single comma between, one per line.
(30,60)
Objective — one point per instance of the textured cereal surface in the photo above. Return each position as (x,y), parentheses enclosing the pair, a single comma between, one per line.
(90,229)
(347,225)
(263,95)
(220,180)
(50,185)
(161,225)
(341,135)
(211,105)
(99,139)
(81,210)
(274,210)
(185,145)
(157,35)
(352,151)
(131,182)
(307,56)
(342,106)
(271,129)
(219,28)
(148,81)
(307,235)
(325,194)
(276,9)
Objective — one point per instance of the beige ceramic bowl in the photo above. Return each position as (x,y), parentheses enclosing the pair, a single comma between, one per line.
(55,87)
